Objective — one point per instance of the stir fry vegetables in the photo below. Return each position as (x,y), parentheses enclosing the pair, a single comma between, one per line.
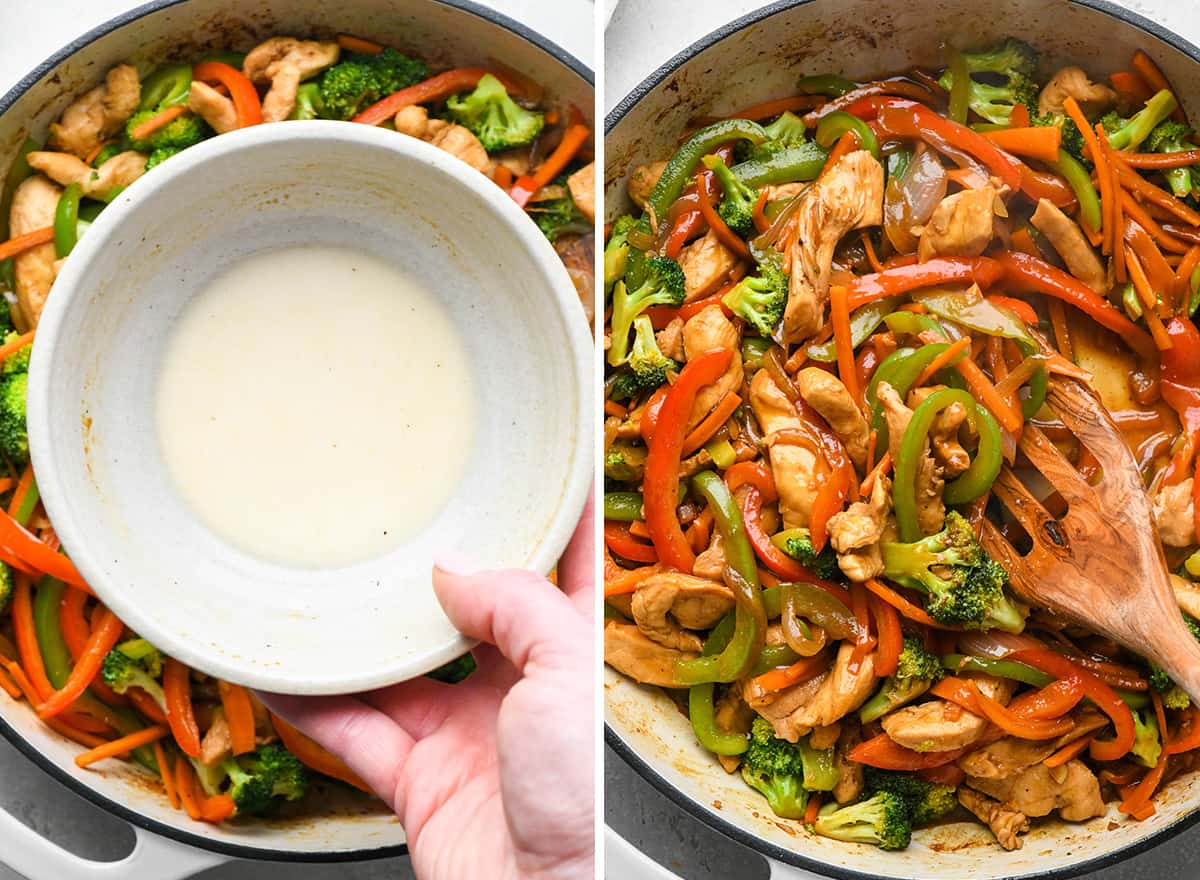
(840,328)
(218,752)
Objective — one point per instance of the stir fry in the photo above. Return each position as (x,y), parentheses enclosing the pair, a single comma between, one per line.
(219,753)
(828,324)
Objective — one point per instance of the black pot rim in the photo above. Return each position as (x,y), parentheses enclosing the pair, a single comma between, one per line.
(613,739)
(9,732)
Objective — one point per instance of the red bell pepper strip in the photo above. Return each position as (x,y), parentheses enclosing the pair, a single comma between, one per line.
(661,485)
(752,473)
(913,276)
(436,88)
(241,90)
(917,120)
(527,185)
(1188,735)
(885,753)
(1034,274)
(619,541)
(1180,384)
(177,690)
(965,693)
(20,548)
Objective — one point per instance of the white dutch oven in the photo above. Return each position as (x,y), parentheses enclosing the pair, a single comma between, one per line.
(754,59)
(443,32)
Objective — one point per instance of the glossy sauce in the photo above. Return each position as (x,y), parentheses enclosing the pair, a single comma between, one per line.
(315,406)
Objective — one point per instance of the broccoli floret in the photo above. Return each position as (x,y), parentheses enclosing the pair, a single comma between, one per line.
(135,663)
(964,584)
(14,436)
(646,359)
(774,767)
(663,286)
(917,671)
(309,104)
(616,251)
(178,134)
(359,80)
(926,801)
(737,206)
(1128,134)
(454,671)
(1072,137)
(1173,696)
(760,299)
(882,820)
(1170,136)
(497,120)
(18,361)
(109,150)
(1013,61)
(6,586)
(625,462)
(162,154)
(559,215)
(797,543)
(1147,744)
(256,780)
(788,130)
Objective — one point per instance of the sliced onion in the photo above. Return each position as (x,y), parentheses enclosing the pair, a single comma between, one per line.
(996,643)
(910,199)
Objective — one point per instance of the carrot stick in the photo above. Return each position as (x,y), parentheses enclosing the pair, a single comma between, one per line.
(95,151)
(939,362)
(1062,334)
(716,223)
(311,754)
(1156,195)
(985,392)
(1183,278)
(812,808)
(712,423)
(102,640)
(839,317)
(154,123)
(181,716)
(906,608)
(885,465)
(612,408)
(1118,217)
(891,639)
(58,725)
(14,246)
(22,490)
(872,258)
(1161,161)
(357,44)
(1153,76)
(168,778)
(145,704)
(27,644)
(1158,270)
(10,687)
(239,712)
(74,624)
(120,746)
(11,348)
(847,143)
(801,670)
(767,109)
(503,177)
(1040,142)
(628,583)
(217,808)
(185,782)
(1165,240)
(1149,301)
(1102,175)
(527,185)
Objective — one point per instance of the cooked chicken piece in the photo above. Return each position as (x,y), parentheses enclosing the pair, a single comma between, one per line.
(704,262)
(414,121)
(627,650)
(855,533)
(119,171)
(582,185)
(217,741)
(732,715)
(1072,789)
(1006,824)
(578,254)
(1009,756)
(825,393)
(847,196)
(642,181)
(670,340)
(33,206)
(931,511)
(285,62)
(850,773)
(99,113)
(962,224)
(947,449)
(213,107)
(711,563)
(825,737)
(693,602)
(1172,506)
(794,467)
(704,332)
(782,191)
(1071,82)
(1187,596)
(1071,244)
(941,726)
(839,691)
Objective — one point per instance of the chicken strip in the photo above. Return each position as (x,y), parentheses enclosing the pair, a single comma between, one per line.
(642,181)
(285,62)
(1071,244)
(931,511)
(963,224)
(850,773)
(1011,755)
(732,715)
(1071,789)
(414,121)
(709,330)
(670,340)
(691,602)
(825,393)
(942,726)
(582,185)
(840,691)
(213,107)
(1005,823)
(951,456)
(711,563)
(1072,82)
(795,468)
(98,114)
(847,196)
(627,650)
(33,206)
(705,263)
(1172,506)
(1187,596)
(855,533)
(64,168)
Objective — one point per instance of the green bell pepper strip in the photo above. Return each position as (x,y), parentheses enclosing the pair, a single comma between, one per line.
(166,87)
(818,606)
(971,484)
(837,123)
(911,324)
(678,172)
(863,323)
(979,314)
(901,374)
(57,659)
(233,59)
(701,699)
(28,503)
(829,84)
(721,452)
(750,618)
(960,88)
(1038,385)
(1021,672)
(89,210)
(1080,181)
(623,506)
(17,172)
(771,656)
(789,165)
(66,220)
(1133,699)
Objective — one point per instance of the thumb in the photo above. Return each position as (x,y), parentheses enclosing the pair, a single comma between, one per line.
(520,612)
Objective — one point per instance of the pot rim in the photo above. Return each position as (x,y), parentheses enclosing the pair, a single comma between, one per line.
(614,740)
(8,731)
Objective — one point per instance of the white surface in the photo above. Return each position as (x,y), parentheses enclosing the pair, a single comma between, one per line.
(645,34)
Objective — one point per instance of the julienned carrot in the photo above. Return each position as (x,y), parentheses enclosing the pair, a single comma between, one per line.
(168,778)
(1155,79)
(839,317)
(58,725)
(1183,275)
(22,489)
(527,185)
(1149,301)
(1136,802)
(71,619)
(884,465)
(9,686)
(1058,323)
(847,143)
(712,423)
(11,348)
(311,754)
(181,716)
(629,581)
(942,360)
(1138,214)
(145,704)
(1010,419)
(218,808)
(1118,215)
(1038,142)
(891,638)
(717,223)
(1158,270)
(27,645)
(154,123)
(95,151)
(767,109)
(14,246)
(1162,161)
(812,809)
(239,712)
(1093,145)
(352,43)
(1155,194)
(906,608)
(1131,87)
(801,670)
(102,640)
(1067,752)
(185,782)
(120,746)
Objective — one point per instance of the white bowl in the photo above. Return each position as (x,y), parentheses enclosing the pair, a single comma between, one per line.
(100,348)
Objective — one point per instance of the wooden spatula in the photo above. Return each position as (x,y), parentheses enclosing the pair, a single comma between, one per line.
(1101,564)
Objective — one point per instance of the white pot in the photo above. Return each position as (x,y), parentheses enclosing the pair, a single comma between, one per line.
(758,58)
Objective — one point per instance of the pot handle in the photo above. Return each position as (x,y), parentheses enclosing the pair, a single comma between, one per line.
(623,861)
(153,857)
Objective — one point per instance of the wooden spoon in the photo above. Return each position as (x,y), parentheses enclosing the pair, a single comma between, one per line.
(1101,564)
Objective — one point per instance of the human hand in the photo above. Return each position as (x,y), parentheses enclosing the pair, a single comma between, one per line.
(491,777)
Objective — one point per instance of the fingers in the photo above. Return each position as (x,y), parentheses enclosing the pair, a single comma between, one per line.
(370,743)
(420,706)
(576,569)
(521,613)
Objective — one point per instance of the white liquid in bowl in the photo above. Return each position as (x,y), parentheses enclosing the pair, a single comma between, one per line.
(315,406)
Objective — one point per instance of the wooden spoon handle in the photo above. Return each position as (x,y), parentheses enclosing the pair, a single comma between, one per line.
(1178,653)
